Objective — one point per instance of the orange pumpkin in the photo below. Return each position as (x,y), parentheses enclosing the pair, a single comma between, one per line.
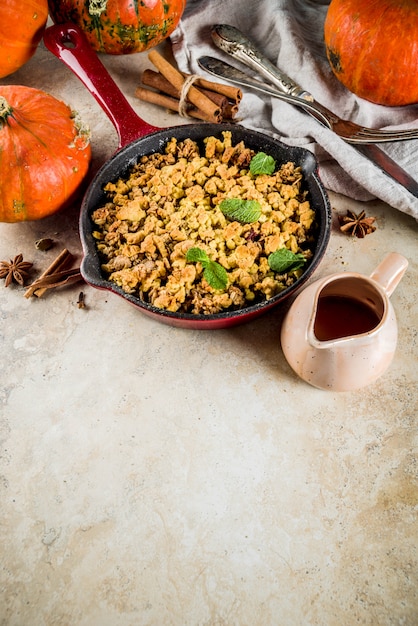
(372,48)
(44,154)
(22,25)
(120,26)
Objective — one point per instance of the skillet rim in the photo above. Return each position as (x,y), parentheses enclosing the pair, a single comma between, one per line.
(119,164)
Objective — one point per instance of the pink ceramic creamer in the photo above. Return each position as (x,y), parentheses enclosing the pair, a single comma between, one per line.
(341,333)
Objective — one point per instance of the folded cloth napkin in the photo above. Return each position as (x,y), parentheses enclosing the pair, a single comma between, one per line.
(290,34)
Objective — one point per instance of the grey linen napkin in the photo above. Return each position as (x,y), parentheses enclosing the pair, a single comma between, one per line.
(290,34)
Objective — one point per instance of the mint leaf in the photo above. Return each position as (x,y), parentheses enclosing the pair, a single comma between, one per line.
(244,211)
(284,260)
(215,274)
(262,163)
(197,255)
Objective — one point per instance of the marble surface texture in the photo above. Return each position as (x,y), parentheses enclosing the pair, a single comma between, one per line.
(154,476)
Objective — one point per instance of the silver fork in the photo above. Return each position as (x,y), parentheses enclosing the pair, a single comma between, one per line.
(231,40)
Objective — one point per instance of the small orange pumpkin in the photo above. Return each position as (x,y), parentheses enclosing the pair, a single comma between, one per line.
(22,25)
(120,26)
(372,48)
(45,154)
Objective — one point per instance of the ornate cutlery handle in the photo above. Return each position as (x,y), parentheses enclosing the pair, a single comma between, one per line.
(233,42)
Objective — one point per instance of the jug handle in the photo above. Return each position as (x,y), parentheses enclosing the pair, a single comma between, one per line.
(390,271)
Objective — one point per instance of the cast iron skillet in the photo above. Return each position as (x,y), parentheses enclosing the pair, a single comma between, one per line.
(138,138)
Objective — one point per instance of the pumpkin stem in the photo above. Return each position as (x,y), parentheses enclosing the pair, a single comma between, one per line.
(97,7)
(5,110)
(83,134)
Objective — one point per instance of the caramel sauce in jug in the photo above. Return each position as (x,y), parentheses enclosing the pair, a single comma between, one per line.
(341,316)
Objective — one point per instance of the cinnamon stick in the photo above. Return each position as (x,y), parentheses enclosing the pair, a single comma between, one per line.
(175,77)
(56,279)
(158,81)
(62,260)
(153,97)
(233,93)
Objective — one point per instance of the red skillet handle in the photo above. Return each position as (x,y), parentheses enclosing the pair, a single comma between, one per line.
(70,45)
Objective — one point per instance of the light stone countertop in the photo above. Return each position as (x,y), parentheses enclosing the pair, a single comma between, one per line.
(155,476)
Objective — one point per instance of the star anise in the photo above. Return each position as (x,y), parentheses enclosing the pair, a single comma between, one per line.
(16,270)
(357,224)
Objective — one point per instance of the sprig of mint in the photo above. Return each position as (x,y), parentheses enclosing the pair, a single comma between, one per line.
(284,260)
(262,163)
(215,274)
(244,211)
